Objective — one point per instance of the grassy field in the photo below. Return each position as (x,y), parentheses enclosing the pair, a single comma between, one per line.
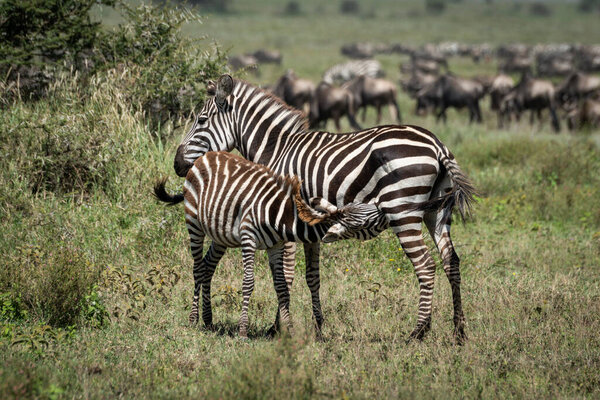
(530,255)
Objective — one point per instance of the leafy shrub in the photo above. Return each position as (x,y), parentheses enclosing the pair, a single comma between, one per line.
(51,283)
(40,37)
(170,71)
(349,7)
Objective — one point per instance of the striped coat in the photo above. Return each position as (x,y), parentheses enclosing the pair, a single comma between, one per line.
(237,203)
(405,171)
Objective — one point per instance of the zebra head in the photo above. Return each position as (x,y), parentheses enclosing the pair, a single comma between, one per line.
(352,221)
(213,128)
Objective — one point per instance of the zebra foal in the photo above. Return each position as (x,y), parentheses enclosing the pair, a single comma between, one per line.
(405,171)
(237,203)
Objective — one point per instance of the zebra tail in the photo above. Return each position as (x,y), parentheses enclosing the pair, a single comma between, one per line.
(161,193)
(462,195)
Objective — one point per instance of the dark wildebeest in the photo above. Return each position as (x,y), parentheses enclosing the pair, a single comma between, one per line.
(531,94)
(501,86)
(424,65)
(332,102)
(267,56)
(296,92)
(518,64)
(358,50)
(374,92)
(587,114)
(417,81)
(576,87)
(451,91)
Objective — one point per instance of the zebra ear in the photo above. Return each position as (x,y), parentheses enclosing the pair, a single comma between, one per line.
(211,88)
(322,205)
(224,88)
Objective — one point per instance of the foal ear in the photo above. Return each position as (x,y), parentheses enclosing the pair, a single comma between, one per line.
(224,88)
(322,205)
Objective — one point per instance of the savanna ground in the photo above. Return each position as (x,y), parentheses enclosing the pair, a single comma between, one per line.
(530,255)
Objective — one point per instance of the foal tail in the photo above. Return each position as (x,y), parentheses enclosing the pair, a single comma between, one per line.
(161,193)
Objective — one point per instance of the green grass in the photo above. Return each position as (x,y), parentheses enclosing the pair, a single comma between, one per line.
(530,255)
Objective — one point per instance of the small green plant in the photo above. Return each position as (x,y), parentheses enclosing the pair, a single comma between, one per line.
(49,283)
(138,288)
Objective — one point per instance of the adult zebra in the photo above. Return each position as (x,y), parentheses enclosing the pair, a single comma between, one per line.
(241,204)
(404,170)
(346,71)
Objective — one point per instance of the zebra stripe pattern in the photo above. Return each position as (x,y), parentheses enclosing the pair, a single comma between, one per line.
(405,171)
(344,72)
(237,203)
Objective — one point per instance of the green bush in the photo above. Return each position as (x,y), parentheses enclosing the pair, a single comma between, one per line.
(51,283)
(170,72)
(38,38)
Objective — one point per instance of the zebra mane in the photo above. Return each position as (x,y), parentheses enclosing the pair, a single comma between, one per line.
(299,118)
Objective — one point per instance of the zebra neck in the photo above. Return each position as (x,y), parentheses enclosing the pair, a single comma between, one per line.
(264,124)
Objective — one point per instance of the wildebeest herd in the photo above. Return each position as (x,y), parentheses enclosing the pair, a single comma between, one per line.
(555,77)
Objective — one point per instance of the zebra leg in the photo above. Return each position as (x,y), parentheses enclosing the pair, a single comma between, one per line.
(280,284)
(311,253)
(408,231)
(440,232)
(248,252)
(210,261)
(289,263)
(196,247)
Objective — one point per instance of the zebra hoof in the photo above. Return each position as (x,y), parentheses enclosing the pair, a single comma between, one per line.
(193,318)
(272,331)
(460,337)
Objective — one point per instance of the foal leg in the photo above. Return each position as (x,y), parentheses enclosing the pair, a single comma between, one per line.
(248,252)
(289,263)
(210,261)
(196,247)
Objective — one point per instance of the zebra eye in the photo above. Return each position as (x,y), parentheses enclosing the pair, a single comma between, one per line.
(202,120)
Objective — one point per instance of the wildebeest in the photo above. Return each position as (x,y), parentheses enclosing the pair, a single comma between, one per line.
(417,81)
(576,87)
(588,58)
(267,56)
(501,86)
(332,102)
(238,62)
(519,64)
(531,94)
(374,92)
(451,91)
(296,92)
(586,114)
